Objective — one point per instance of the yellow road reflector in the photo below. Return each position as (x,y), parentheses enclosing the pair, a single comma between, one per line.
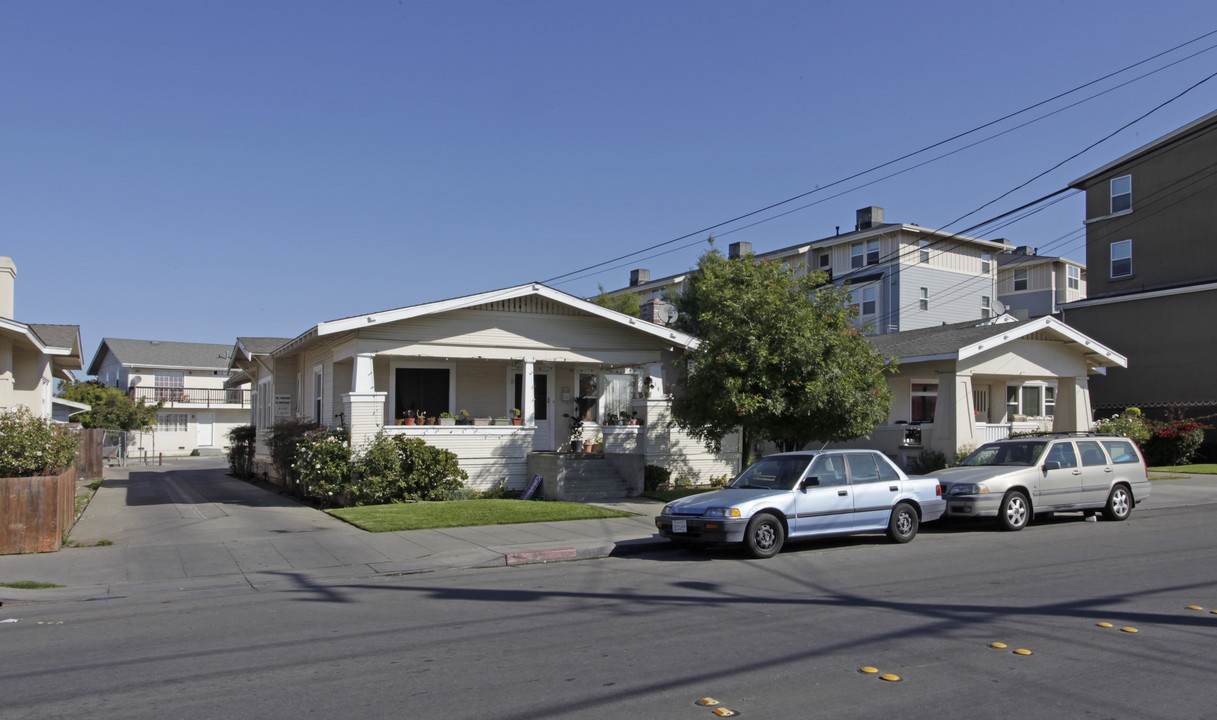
(707,701)
(1128,629)
(1212,612)
(890,677)
(1022,651)
(1105,624)
(1194,607)
(999,646)
(724,712)
(868,670)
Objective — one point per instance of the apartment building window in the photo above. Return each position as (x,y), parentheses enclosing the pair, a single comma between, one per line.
(857,255)
(923,247)
(1121,194)
(863,301)
(1075,277)
(925,298)
(986,306)
(986,263)
(872,252)
(1121,258)
(1020,279)
(826,264)
(172,422)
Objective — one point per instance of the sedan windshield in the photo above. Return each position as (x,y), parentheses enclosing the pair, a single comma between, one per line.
(777,472)
(1021,454)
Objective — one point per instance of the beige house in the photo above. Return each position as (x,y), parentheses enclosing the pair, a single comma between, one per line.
(960,386)
(198,410)
(529,348)
(1030,285)
(33,356)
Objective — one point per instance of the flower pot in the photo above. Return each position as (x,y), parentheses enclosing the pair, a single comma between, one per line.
(481,421)
(517,421)
(589,447)
(410,421)
(399,421)
(447,421)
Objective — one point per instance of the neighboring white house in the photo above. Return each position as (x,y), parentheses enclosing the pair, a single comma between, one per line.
(33,356)
(529,347)
(189,379)
(959,386)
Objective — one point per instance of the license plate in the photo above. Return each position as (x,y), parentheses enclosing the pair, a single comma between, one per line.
(679,526)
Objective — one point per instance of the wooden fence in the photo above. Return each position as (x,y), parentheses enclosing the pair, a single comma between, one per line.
(89,459)
(36,512)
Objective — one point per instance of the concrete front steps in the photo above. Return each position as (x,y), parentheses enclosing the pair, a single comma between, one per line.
(591,477)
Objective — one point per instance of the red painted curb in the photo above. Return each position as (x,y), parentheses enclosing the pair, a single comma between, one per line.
(540,556)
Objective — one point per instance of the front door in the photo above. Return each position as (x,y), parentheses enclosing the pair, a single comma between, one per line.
(205,433)
(543,436)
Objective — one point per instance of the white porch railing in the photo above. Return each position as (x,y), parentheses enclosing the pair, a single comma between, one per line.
(993,431)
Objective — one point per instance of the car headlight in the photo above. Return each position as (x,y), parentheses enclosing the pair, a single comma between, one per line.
(969,489)
(723,512)
(667,510)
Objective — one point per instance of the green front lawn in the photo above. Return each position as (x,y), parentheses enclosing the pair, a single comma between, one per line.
(1202,469)
(467,513)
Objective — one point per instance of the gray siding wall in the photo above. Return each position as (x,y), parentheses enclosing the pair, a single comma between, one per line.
(954,297)
(1036,303)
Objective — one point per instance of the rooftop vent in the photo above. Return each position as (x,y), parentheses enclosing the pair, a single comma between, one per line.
(869,217)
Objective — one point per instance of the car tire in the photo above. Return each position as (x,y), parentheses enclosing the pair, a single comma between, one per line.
(903,525)
(1119,504)
(764,536)
(1014,512)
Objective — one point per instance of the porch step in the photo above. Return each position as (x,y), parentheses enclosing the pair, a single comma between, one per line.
(593,478)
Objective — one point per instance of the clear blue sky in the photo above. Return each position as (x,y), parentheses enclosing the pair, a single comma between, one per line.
(196,171)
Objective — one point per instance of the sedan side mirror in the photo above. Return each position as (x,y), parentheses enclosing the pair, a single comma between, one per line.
(812,481)
(1052,465)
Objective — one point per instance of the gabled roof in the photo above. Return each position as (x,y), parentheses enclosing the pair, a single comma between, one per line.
(960,341)
(469,301)
(162,354)
(1009,260)
(61,342)
(1190,128)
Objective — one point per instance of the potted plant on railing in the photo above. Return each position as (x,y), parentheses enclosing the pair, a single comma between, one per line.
(447,418)
(576,430)
(516,419)
(463,418)
(634,419)
(592,443)
(409,417)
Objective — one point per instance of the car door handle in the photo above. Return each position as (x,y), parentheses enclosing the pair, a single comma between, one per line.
(842,493)
(894,488)
(1077,472)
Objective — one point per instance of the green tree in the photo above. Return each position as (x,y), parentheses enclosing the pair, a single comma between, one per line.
(112,409)
(627,303)
(779,356)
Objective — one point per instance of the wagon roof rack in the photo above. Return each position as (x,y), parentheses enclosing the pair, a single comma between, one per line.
(1068,433)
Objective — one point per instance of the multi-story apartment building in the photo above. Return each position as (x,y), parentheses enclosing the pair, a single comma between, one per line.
(901,276)
(188,378)
(1153,277)
(1030,285)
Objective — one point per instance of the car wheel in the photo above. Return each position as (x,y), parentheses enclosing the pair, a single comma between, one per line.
(764,536)
(1015,511)
(903,525)
(1119,504)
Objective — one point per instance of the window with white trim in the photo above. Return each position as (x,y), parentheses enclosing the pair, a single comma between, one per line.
(318,392)
(986,262)
(169,384)
(925,299)
(1074,277)
(923,398)
(923,248)
(172,422)
(872,252)
(1121,258)
(863,301)
(857,255)
(1121,194)
(986,306)
(1035,399)
(1049,400)
(1020,279)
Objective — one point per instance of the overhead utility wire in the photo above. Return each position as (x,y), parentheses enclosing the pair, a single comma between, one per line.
(881,166)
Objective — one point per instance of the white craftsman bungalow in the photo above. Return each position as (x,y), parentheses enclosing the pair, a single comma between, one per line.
(529,348)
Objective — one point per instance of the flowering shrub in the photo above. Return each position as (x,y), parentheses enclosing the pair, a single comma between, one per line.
(1129,423)
(31,445)
(1174,443)
(323,465)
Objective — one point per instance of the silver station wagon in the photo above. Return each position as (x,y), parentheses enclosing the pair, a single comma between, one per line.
(805,494)
(1013,480)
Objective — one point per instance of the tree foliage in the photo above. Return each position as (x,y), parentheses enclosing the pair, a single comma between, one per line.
(627,303)
(779,356)
(112,409)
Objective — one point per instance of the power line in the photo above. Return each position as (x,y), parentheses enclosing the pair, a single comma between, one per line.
(877,167)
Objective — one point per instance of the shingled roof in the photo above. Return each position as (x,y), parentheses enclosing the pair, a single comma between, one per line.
(962,340)
(162,354)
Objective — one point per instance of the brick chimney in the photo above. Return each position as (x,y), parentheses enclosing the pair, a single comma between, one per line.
(639,276)
(869,217)
(8,282)
(655,310)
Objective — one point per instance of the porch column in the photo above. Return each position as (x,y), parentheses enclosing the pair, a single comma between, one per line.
(954,416)
(364,407)
(656,372)
(1072,405)
(528,397)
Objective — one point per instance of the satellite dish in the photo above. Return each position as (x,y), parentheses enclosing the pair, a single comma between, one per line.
(665,314)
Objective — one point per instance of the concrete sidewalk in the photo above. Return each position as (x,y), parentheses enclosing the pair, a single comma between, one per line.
(188,525)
